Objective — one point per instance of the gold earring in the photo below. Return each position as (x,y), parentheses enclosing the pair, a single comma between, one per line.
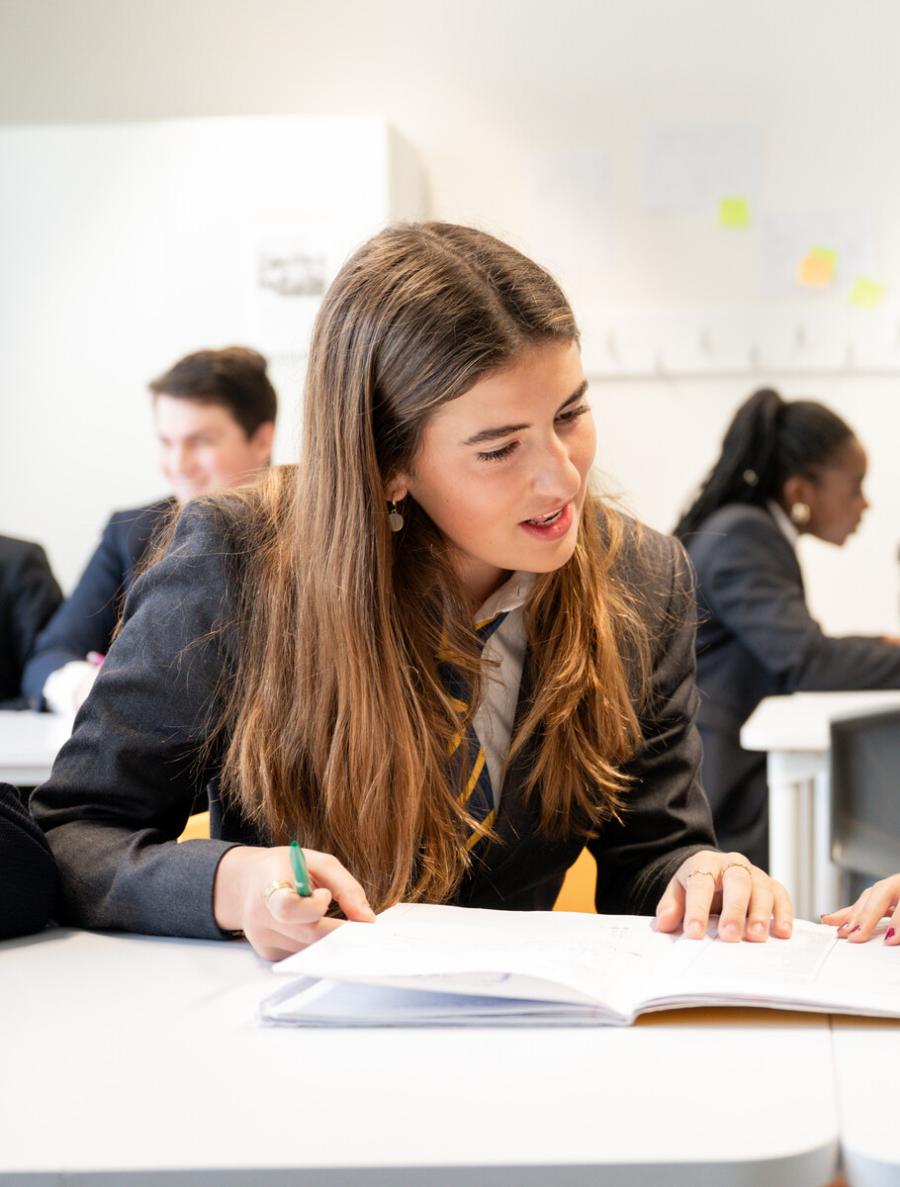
(395,519)
(800,513)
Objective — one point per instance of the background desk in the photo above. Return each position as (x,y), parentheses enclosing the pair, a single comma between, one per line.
(796,732)
(28,745)
(141,1058)
(866,1056)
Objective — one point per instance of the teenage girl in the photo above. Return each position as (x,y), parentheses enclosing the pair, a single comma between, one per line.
(786,468)
(430,652)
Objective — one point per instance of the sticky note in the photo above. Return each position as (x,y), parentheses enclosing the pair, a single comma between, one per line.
(734,213)
(817,268)
(866,293)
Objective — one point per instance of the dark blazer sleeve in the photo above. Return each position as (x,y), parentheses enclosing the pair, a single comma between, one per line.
(750,586)
(27,870)
(122,787)
(666,817)
(87,619)
(84,622)
(33,595)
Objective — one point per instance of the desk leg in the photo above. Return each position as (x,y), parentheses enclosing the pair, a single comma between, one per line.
(792,824)
(828,882)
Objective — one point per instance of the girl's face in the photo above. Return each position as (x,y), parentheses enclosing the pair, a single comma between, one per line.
(502,470)
(836,499)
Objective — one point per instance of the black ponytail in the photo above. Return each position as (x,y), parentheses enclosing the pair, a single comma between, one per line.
(768,441)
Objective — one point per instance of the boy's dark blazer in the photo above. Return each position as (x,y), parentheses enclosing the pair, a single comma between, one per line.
(123,785)
(757,638)
(29,595)
(86,620)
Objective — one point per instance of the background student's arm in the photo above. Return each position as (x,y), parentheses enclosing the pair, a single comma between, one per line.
(32,596)
(84,622)
(750,592)
(667,817)
(123,786)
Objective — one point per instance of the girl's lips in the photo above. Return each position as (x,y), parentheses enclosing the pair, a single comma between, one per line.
(554,530)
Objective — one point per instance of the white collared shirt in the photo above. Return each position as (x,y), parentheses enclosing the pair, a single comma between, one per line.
(783,520)
(505,651)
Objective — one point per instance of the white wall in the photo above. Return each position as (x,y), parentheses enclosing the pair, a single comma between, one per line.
(480,88)
(123,246)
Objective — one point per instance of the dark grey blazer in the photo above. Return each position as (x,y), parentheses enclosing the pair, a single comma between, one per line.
(28,597)
(123,785)
(86,620)
(756,638)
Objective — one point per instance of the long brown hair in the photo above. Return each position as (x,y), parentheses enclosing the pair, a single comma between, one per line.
(336,724)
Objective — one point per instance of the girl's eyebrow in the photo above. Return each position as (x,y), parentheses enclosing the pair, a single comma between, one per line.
(505,430)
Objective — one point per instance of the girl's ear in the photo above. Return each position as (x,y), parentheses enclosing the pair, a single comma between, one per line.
(797,489)
(397,489)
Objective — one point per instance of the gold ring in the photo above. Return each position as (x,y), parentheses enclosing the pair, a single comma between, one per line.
(694,873)
(273,886)
(738,865)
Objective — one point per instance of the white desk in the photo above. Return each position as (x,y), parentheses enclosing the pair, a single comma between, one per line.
(141,1059)
(866,1054)
(28,745)
(795,731)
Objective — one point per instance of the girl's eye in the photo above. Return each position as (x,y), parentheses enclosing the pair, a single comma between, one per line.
(572,414)
(497,455)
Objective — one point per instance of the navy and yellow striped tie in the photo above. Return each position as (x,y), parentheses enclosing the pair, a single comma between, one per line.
(477,793)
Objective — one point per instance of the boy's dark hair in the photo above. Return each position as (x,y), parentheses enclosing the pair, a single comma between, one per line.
(234,377)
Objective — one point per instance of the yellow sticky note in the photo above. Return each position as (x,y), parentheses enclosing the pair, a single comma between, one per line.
(817,268)
(734,213)
(867,293)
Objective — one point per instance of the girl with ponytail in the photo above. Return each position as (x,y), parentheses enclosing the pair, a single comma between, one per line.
(786,468)
(430,652)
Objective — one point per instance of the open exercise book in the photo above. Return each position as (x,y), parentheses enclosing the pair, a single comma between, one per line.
(421,965)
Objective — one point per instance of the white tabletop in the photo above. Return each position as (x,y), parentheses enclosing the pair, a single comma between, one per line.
(802,722)
(142,1057)
(28,745)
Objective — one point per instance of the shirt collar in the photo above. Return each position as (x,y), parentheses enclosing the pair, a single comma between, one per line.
(513,593)
(788,530)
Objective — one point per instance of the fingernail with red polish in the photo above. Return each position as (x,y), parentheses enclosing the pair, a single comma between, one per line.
(889,934)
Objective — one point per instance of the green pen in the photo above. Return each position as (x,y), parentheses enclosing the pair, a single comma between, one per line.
(301,874)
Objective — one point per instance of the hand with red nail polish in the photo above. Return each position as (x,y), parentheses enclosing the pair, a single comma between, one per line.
(858,922)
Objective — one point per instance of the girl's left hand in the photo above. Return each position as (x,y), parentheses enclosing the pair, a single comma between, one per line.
(744,896)
(857,923)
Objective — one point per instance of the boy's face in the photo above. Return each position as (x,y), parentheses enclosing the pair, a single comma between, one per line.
(203,449)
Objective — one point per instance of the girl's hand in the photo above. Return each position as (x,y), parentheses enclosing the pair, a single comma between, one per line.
(857,923)
(276,920)
(744,897)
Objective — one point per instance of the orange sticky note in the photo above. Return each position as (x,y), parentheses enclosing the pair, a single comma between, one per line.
(817,268)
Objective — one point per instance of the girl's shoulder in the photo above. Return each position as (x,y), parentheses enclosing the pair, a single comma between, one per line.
(234,522)
(640,552)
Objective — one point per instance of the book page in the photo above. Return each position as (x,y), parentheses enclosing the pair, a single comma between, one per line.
(308,1002)
(811,970)
(618,964)
(544,956)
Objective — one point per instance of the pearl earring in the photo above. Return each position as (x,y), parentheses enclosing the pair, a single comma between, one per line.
(800,513)
(395,519)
